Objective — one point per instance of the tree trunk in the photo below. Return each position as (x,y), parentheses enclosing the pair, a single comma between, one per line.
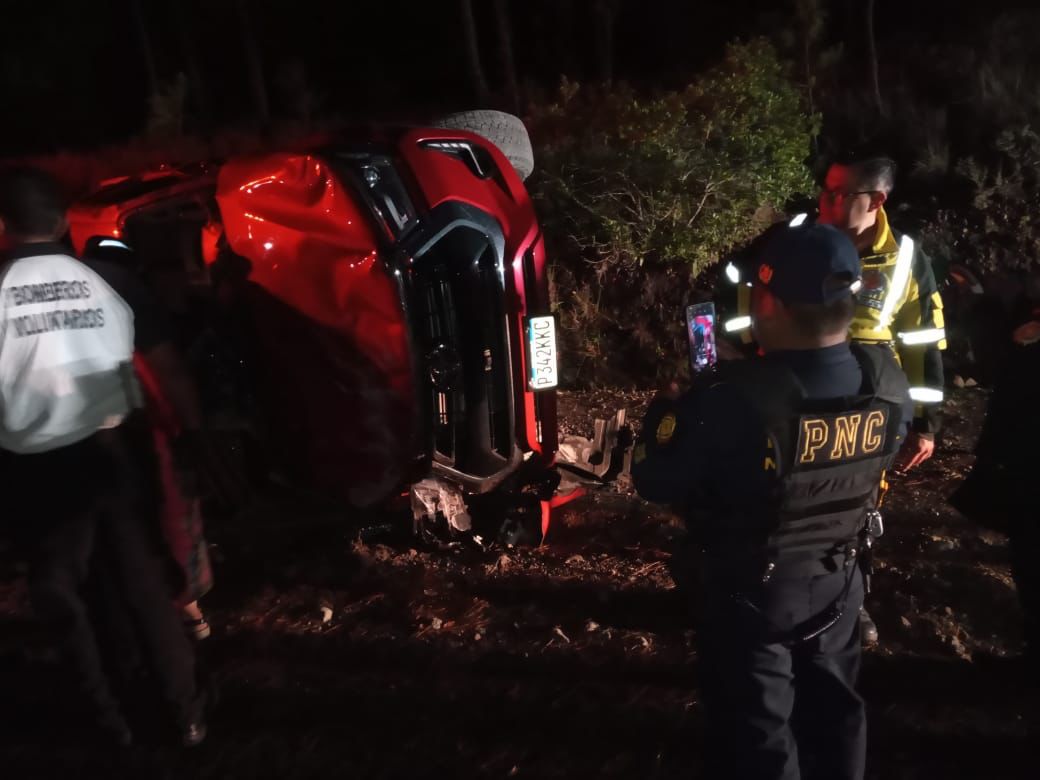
(145,42)
(807,64)
(469,32)
(810,26)
(254,65)
(196,84)
(872,60)
(562,21)
(505,53)
(810,79)
(606,13)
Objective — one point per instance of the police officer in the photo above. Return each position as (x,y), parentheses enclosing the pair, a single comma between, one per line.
(776,465)
(898,306)
(75,453)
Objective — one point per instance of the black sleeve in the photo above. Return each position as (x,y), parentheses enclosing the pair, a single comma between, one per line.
(711,429)
(151,324)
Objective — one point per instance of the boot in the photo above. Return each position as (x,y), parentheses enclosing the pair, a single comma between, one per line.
(193,725)
(868,632)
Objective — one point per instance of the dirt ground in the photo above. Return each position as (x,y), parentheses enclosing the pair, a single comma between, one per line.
(336,657)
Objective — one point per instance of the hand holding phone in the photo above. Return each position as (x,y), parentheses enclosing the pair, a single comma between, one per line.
(700,331)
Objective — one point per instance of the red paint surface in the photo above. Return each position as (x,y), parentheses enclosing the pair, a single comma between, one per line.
(337,368)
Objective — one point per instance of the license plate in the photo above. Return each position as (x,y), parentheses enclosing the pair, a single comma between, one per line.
(543,373)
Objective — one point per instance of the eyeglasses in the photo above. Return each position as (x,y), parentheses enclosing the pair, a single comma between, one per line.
(840,195)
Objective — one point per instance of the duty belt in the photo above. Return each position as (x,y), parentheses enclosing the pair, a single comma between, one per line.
(822,621)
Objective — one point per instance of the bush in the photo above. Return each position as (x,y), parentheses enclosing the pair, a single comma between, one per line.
(639,195)
(995,226)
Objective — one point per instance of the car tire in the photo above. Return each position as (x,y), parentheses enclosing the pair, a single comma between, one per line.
(505,131)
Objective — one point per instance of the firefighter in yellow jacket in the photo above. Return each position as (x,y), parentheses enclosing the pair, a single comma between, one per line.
(899,302)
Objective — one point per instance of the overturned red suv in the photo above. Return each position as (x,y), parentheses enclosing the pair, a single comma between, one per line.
(385,298)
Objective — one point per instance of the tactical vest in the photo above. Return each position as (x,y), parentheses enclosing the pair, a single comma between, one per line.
(828,458)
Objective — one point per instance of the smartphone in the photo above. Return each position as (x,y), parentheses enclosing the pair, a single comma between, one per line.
(700,330)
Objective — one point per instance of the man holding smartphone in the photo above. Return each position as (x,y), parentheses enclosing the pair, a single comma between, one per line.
(776,465)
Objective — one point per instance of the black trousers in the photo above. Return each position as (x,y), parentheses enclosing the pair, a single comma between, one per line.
(91,503)
(1024,543)
(782,711)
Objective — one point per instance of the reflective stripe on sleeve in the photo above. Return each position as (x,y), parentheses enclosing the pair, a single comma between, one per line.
(900,279)
(926,336)
(737,323)
(926,395)
(732,273)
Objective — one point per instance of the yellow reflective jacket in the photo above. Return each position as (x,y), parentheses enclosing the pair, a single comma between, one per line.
(898,304)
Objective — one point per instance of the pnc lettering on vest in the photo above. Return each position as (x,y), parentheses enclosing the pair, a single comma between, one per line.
(849,436)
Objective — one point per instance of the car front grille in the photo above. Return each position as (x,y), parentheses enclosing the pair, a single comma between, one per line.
(460,332)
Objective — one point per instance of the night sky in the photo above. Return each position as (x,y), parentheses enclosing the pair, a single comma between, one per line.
(72,73)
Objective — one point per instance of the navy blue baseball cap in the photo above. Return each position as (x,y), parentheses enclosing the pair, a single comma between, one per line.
(811,263)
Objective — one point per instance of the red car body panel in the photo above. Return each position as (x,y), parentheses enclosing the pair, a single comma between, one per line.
(106,215)
(339,366)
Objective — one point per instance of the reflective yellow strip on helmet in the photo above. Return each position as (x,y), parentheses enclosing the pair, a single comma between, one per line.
(737,323)
(799,219)
(926,395)
(926,336)
(732,273)
(900,279)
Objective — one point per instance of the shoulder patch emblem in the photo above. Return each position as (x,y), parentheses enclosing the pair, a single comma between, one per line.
(666,429)
(874,290)
(765,273)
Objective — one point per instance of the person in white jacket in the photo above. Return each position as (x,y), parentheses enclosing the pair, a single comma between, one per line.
(77,454)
